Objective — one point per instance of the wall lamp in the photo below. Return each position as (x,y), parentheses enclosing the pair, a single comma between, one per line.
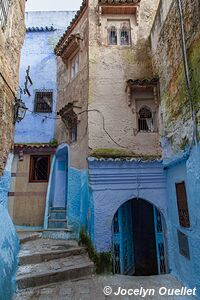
(19,110)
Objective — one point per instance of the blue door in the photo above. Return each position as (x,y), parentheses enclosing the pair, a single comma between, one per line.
(160,242)
(123,240)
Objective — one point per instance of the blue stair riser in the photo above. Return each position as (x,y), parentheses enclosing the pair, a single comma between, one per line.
(57,215)
(57,224)
(57,208)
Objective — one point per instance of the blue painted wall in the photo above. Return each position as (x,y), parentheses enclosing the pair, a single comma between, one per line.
(38,53)
(114,182)
(189,171)
(9,244)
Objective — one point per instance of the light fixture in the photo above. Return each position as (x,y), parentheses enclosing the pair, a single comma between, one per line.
(19,110)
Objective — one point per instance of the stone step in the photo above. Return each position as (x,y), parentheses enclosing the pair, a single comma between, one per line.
(57,223)
(57,214)
(54,271)
(57,208)
(40,257)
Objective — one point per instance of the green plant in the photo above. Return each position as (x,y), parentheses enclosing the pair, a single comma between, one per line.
(102,260)
(53,142)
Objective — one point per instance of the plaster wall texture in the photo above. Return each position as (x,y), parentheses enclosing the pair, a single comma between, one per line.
(187,171)
(27,205)
(9,244)
(11,39)
(75,91)
(114,182)
(38,53)
(109,69)
(175,115)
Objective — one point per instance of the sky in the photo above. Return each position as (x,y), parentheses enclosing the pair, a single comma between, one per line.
(50,5)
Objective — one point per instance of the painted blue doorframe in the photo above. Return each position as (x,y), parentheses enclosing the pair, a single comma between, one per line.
(61,177)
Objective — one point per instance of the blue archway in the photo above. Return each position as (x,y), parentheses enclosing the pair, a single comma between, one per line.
(139,246)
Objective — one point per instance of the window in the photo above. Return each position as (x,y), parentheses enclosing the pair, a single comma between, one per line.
(145,120)
(39,168)
(74,66)
(4,8)
(125,36)
(43,101)
(112,36)
(73,133)
(183,244)
(182,204)
(119,32)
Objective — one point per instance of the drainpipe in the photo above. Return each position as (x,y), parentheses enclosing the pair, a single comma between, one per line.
(186,72)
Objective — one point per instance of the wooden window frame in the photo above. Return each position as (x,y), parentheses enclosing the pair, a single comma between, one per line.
(182,204)
(31,168)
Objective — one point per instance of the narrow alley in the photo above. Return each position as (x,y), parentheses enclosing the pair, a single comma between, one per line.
(99,149)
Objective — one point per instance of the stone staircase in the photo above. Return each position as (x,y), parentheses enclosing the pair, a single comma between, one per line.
(45,261)
(57,218)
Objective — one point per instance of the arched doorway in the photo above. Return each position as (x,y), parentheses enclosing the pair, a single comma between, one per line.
(138,239)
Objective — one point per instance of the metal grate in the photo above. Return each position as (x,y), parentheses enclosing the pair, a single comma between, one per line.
(117,269)
(125,36)
(182,204)
(158,221)
(43,102)
(4,9)
(145,121)
(161,250)
(183,244)
(116,223)
(112,36)
(39,168)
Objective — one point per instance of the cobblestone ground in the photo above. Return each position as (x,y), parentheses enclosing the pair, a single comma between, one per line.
(91,288)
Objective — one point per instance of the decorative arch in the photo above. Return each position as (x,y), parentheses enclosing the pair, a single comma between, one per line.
(131,235)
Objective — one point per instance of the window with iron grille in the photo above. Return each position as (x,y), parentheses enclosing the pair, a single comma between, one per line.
(112,36)
(125,36)
(39,168)
(183,244)
(145,120)
(4,9)
(43,101)
(182,204)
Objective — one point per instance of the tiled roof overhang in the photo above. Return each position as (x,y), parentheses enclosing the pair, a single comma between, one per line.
(120,7)
(142,83)
(69,46)
(118,2)
(73,23)
(35,148)
(40,29)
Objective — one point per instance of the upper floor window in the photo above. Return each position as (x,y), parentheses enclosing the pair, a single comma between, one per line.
(182,204)
(74,66)
(112,36)
(145,120)
(43,101)
(119,32)
(125,35)
(4,9)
